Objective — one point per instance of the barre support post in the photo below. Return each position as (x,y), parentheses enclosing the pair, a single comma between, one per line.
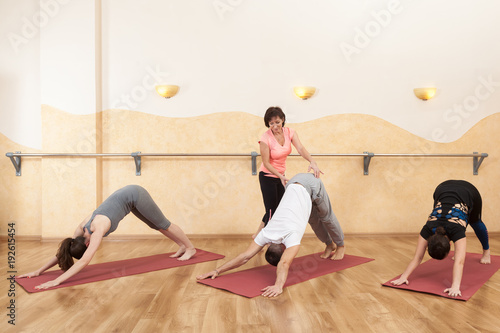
(476,163)
(254,163)
(366,162)
(16,161)
(137,159)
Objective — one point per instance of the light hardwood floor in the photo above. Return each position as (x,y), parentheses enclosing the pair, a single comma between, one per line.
(352,300)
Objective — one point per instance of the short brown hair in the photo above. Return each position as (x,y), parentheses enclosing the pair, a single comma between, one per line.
(274,111)
(273,254)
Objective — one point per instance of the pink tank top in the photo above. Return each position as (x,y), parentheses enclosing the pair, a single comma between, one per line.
(278,153)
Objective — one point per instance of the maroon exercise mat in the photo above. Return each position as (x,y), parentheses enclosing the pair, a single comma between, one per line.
(434,276)
(115,269)
(249,282)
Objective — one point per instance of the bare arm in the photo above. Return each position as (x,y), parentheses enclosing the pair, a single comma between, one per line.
(95,241)
(417,259)
(305,154)
(281,272)
(240,260)
(458,267)
(265,153)
(79,228)
(52,262)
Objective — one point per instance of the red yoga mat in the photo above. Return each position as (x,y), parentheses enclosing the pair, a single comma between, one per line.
(249,282)
(434,276)
(115,269)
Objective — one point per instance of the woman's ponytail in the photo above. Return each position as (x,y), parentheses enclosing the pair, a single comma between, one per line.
(68,249)
(439,244)
(64,258)
(440,231)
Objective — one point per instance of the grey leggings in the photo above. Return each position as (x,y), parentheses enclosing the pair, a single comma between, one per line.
(148,211)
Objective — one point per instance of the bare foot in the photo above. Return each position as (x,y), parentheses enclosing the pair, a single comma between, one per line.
(179,252)
(339,253)
(328,251)
(486,259)
(188,254)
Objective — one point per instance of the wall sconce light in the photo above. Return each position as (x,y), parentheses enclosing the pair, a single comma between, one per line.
(424,93)
(167,91)
(304,92)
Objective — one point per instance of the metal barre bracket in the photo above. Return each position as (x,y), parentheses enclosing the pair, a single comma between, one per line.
(16,160)
(137,160)
(366,162)
(476,163)
(254,162)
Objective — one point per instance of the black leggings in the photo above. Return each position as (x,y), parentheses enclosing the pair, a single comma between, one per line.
(272,192)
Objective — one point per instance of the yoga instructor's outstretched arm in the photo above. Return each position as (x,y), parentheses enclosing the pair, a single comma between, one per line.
(305,154)
(241,259)
(265,154)
(417,259)
(281,272)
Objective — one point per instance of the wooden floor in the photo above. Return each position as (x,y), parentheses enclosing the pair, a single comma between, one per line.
(352,300)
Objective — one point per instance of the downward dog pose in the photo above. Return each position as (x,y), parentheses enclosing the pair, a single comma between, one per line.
(305,199)
(457,203)
(103,221)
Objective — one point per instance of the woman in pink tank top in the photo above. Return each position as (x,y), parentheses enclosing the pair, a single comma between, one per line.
(275,146)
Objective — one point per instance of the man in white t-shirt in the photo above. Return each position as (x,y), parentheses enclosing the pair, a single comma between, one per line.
(305,199)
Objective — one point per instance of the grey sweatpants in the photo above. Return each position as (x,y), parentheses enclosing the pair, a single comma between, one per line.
(323,221)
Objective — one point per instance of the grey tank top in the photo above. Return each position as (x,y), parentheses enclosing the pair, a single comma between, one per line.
(116,206)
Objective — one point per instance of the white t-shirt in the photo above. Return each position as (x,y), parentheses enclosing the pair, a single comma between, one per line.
(290,219)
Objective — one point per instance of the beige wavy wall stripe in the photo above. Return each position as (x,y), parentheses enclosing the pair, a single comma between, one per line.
(219,195)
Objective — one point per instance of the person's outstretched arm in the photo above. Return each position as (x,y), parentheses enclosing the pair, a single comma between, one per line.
(417,259)
(95,241)
(281,272)
(305,154)
(458,268)
(52,262)
(265,154)
(79,228)
(240,260)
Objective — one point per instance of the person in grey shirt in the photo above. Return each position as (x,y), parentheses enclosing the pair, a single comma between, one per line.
(103,221)
(322,220)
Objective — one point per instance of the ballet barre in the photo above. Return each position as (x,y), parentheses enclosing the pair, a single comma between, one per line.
(477,158)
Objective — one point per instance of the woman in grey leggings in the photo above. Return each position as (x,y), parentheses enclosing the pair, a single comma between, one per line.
(103,221)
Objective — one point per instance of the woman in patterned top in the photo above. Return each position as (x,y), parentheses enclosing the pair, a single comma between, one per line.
(457,203)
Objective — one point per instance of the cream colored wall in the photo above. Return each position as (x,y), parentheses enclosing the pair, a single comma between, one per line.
(69,185)
(21,196)
(207,195)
